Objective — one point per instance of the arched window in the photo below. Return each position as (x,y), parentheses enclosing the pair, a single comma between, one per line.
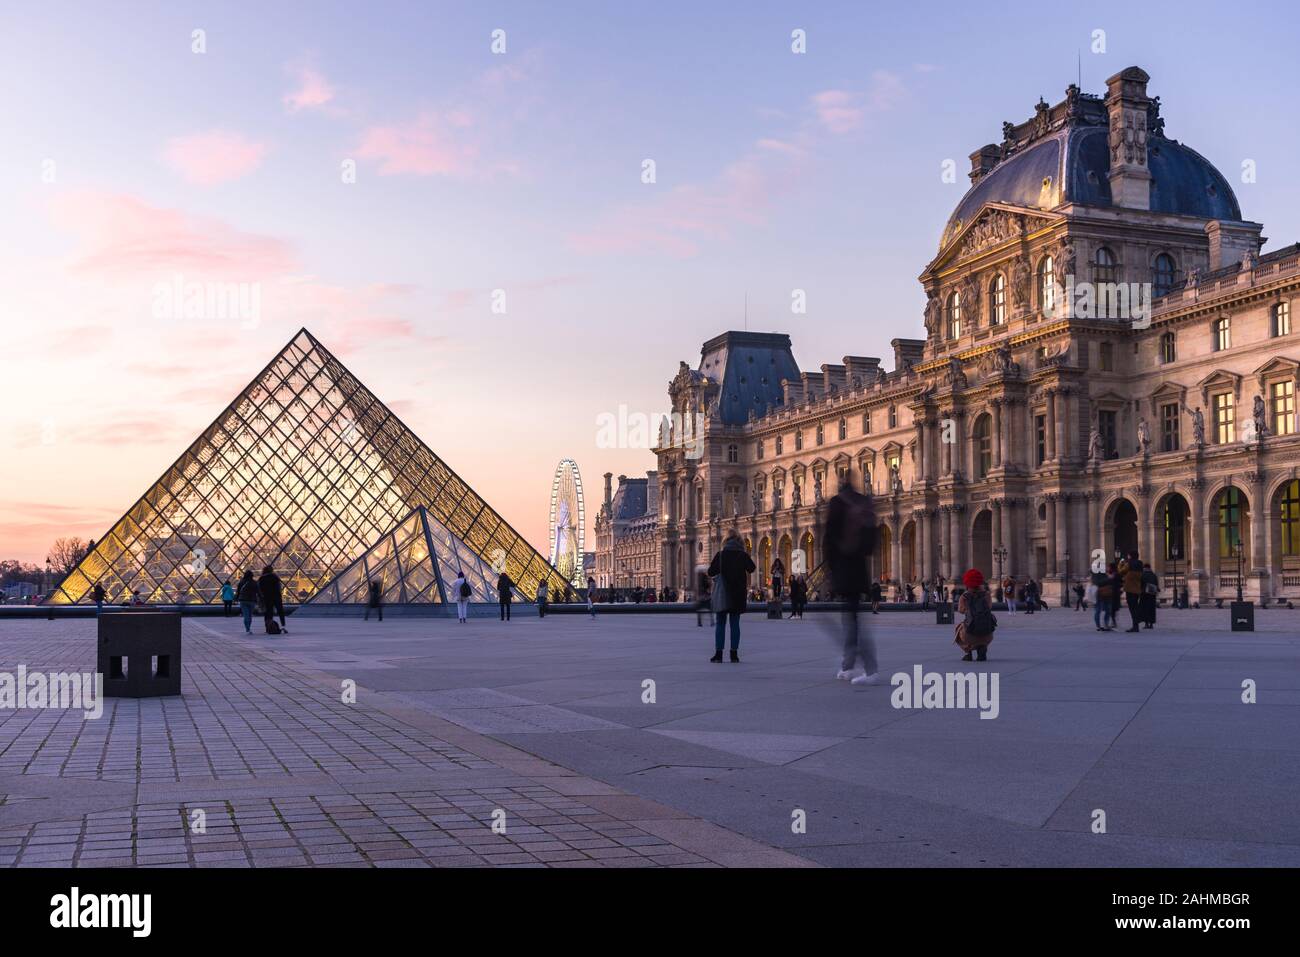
(1046,286)
(844,429)
(798,440)
(893,416)
(1105,267)
(998,300)
(983,446)
(1163,274)
(1168,348)
(1222,334)
(1229,523)
(954,315)
(1290,515)
(1175,527)
(1282,319)
(733,454)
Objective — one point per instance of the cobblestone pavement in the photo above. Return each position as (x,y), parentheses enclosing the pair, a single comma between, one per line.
(261,763)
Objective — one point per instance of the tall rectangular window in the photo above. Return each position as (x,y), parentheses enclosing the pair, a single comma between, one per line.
(1169,421)
(1107,357)
(1282,319)
(1282,400)
(1106,425)
(1225,420)
(1222,334)
(1040,439)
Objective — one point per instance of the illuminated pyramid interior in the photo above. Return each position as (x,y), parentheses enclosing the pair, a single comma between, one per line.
(415,563)
(305,471)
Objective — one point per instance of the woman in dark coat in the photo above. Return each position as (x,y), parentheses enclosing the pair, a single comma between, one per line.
(1147,600)
(732,567)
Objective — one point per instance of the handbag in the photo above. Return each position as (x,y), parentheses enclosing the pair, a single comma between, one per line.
(1091,594)
(718,597)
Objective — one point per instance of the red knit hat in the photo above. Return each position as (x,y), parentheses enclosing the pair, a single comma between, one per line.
(973,579)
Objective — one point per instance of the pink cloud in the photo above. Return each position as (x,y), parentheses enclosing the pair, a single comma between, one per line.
(216,156)
(423,147)
(843,111)
(126,237)
(312,92)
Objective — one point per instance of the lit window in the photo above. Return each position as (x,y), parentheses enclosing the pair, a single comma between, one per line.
(1282,319)
(1222,334)
(1291,518)
(954,315)
(1282,400)
(1047,286)
(998,300)
(1168,348)
(1225,423)
(1230,508)
(1163,275)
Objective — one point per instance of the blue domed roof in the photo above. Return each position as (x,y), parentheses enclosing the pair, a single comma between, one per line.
(1072,165)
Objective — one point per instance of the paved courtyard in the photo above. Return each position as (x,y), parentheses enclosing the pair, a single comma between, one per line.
(551,723)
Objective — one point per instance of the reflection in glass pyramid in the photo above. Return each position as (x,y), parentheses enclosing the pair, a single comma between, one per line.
(306,471)
(416,562)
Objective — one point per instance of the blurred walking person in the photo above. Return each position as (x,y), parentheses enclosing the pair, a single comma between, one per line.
(248,595)
(703,597)
(591,596)
(272,590)
(850,536)
(376,601)
(730,570)
(541,598)
(1147,600)
(98,594)
(505,594)
(1131,570)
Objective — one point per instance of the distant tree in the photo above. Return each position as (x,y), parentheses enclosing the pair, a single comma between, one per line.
(66,554)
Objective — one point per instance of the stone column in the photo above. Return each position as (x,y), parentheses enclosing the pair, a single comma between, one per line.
(921,458)
(1050,498)
(1198,554)
(1258,566)
(945,565)
(1146,536)
(1062,419)
(896,556)
(962,542)
(997,433)
(945,448)
(996,522)
(1051,424)
(922,517)
(1008,534)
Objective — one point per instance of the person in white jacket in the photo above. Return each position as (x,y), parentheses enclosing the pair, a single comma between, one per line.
(461,589)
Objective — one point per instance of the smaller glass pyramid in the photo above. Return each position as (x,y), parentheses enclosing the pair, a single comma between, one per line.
(415,562)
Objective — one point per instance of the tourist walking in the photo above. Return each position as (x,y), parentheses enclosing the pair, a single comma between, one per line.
(925,594)
(778,579)
(1147,601)
(227,597)
(1078,596)
(460,588)
(798,596)
(248,595)
(730,570)
(975,630)
(850,536)
(1099,589)
(703,597)
(272,590)
(541,598)
(1131,570)
(98,594)
(876,592)
(1116,581)
(591,596)
(505,594)
(1009,593)
(375,602)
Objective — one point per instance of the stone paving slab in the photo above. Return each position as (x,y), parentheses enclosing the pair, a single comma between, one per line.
(281,772)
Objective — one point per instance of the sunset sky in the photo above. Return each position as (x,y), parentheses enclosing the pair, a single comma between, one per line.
(131,160)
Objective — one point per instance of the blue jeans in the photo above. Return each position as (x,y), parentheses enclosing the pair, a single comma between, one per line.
(719,630)
(1097,610)
(247,608)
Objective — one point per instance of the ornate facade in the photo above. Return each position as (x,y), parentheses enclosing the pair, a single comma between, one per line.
(627,534)
(1109,364)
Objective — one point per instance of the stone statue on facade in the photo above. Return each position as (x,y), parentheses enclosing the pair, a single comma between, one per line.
(1020,274)
(776,498)
(1144,437)
(1095,451)
(757,498)
(1261,418)
(817,487)
(1198,426)
(932,311)
(1002,361)
(796,495)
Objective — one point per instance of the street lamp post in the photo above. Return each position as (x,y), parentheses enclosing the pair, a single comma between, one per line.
(1241,556)
(1173,557)
(1000,553)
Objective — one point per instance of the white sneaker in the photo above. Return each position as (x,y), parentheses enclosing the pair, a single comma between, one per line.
(866,679)
(848,675)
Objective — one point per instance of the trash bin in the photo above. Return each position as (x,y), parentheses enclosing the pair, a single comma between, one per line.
(1243,616)
(139,653)
(943,613)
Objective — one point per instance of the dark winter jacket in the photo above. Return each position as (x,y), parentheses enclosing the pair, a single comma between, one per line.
(850,536)
(272,590)
(248,590)
(733,566)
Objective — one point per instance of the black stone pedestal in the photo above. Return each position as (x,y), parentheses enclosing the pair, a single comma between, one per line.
(1243,616)
(140,653)
(774,609)
(943,613)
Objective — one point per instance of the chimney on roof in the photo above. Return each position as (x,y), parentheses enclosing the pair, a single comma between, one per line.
(609,491)
(982,162)
(1127,105)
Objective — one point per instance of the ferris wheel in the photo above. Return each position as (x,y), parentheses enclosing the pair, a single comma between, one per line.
(568,522)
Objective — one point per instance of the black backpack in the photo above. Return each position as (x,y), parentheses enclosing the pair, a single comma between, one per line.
(272,626)
(979,614)
(465,590)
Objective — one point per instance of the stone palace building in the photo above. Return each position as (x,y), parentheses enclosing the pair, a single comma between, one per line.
(1109,364)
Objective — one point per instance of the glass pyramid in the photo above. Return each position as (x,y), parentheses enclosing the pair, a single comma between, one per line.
(415,563)
(308,472)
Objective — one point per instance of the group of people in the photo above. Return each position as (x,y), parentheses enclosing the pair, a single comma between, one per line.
(1131,581)
(266,593)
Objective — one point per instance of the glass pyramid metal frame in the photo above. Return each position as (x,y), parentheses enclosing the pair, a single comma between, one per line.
(305,471)
(416,562)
